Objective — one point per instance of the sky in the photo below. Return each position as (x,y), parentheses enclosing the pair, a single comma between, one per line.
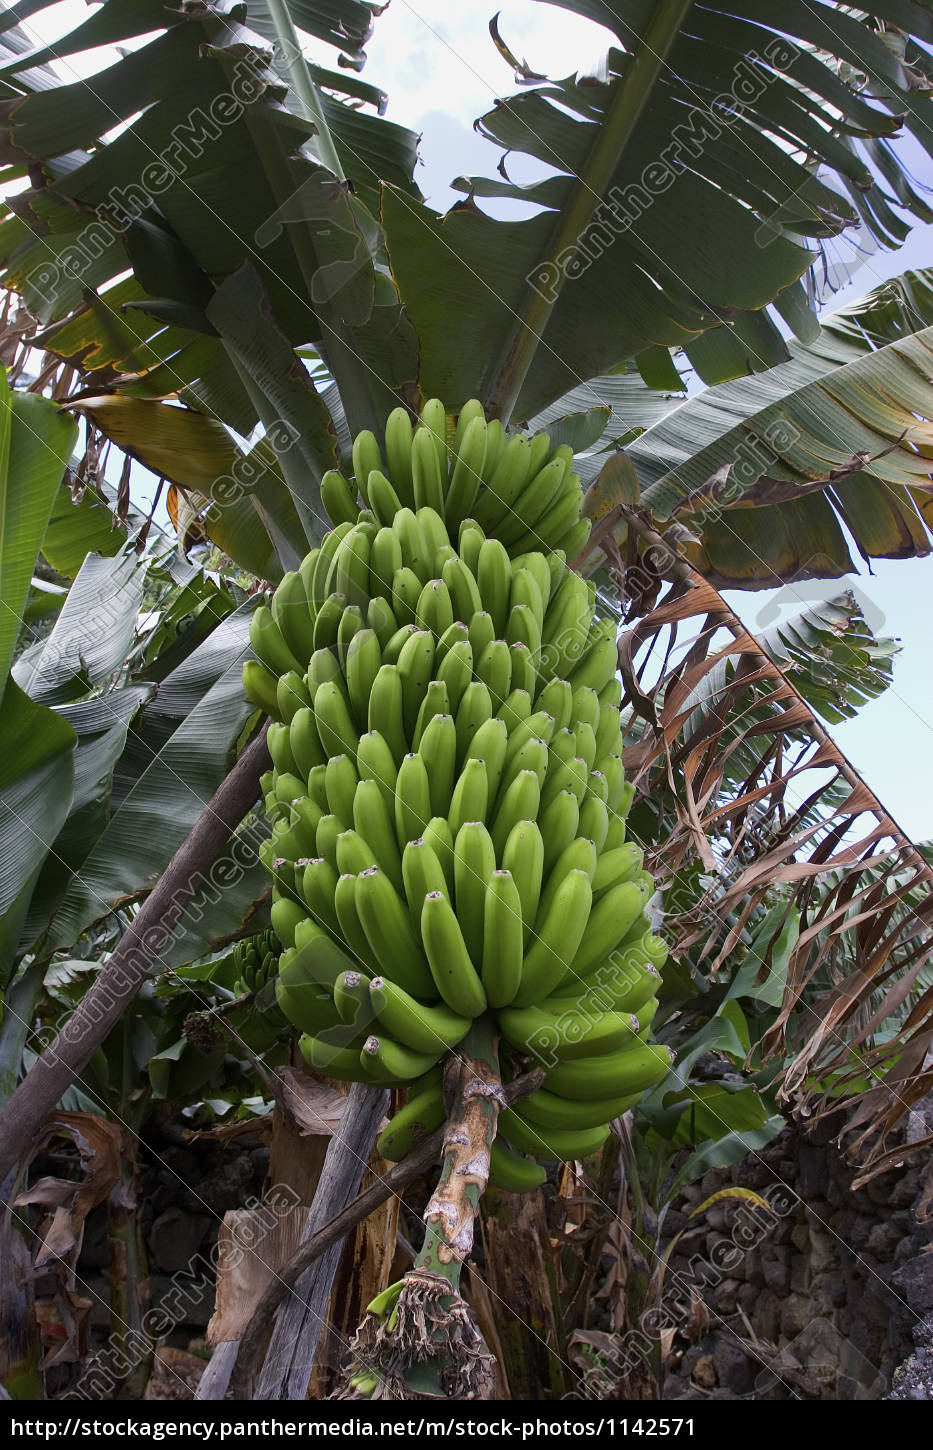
(441,70)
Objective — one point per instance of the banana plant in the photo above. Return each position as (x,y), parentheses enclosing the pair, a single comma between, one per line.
(770,132)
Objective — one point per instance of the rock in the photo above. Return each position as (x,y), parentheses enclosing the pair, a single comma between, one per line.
(882,1241)
(182,1300)
(704,1372)
(795,1314)
(176,1238)
(812,1176)
(775,1266)
(800,1237)
(733,1370)
(914,1281)
(726,1296)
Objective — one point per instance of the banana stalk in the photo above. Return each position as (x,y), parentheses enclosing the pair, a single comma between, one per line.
(428,1346)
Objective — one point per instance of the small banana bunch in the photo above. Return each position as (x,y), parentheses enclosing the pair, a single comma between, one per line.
(517,488)
(448,839)
(256,962)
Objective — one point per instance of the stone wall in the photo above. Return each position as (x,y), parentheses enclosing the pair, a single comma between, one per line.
(821,1298)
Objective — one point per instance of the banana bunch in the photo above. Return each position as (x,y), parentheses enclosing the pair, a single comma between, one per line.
(518,489)
(448,810)
(256,962)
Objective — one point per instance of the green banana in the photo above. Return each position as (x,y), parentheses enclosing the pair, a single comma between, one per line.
(546,1110)
(415,669)
(436,701)
(318,883)
(440,838)
(268,643)
(610,919)
(523,857)
(519,803)
(340,783)
(338,498)
(415,549)
(454,974)
(363,663)
(285,915)
(464,594)
(515,709)
(329,829)
(455,672)
(316,960)
(434,422)
(398,441)
(494,581)
(438,749)
(335,727)
(351,998)
(374,761)
(353,854)
(553,1145)
(383,498)
(474,709)
(524,668)
(480,632)
(260,686)
(392,942)
(422,873)
(470,540)
(305,742)
(386,711)
(466,476)
(489,744)
(474,865)
(635,1070)
(426,1029)
(573,1033)
(406,591)
(385,560)
(594,821)
(468,802)
(512,1173)
(392,1062)
(503,939)
(621,863)
(494,668)
(280,749)
(366,457)
(421,1115)
(412,800)
(351,928)
(425,471)
(558,933)
(292,613)
(575,539)
(560,821)
(371,819)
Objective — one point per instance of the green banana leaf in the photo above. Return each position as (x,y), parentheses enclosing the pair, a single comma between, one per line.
(155,814)
(92,635)
(770,474)
(35,444)
(683,180)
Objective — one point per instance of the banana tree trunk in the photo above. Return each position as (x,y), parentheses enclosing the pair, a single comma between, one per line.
(20,1348)
(293,1346)
(129,1278)
(522,1283)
